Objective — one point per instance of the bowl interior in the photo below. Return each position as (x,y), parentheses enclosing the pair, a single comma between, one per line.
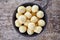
(14,18)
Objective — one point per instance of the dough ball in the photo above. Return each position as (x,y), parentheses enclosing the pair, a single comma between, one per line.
(30,32)
(27,22)
(28,15)
(22,19)
(17,15)
(41,22)
(31,26)
(38,29)
(35,8)
(17,23)
(28,8)
(40,14)
(22,29)
(21,9)
(34,19)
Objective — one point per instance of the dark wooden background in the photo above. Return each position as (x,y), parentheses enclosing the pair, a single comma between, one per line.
(7,31)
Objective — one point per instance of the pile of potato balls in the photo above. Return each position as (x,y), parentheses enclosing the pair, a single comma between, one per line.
(29,19)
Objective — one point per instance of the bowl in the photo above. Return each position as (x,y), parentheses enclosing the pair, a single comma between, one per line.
(14,18)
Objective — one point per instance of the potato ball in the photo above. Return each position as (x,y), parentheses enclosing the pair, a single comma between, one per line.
(30,32)
(22,29)
(38,29)
(21,9)
(28,8)
(35,8)
(22,19)
(31,26)
(17,23)
(41,22)
(28,14)
(40,14)
(27,22)
(34,19)
(17,15)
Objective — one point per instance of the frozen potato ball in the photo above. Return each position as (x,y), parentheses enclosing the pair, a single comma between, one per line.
(17,15)
(41,22)
(31,26)
(34,19)
(38,29)
(22,19)
(28,14)
(17,23)
(30,32)
(22,29)
(27,22)
(40,14)
(21,9)
(28,8)
(35,8)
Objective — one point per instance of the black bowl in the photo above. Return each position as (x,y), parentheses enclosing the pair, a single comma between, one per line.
(14,18)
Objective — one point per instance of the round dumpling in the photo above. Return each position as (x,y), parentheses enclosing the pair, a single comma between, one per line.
(28,14)
(34,19)
(31,26)
(40,14)
(22,29)
(30,32)
(28,8)
(38,29)
(27,22)
(17,23)
(41,22)
(21,9)
(17,15)
(35,8)
(22,19)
